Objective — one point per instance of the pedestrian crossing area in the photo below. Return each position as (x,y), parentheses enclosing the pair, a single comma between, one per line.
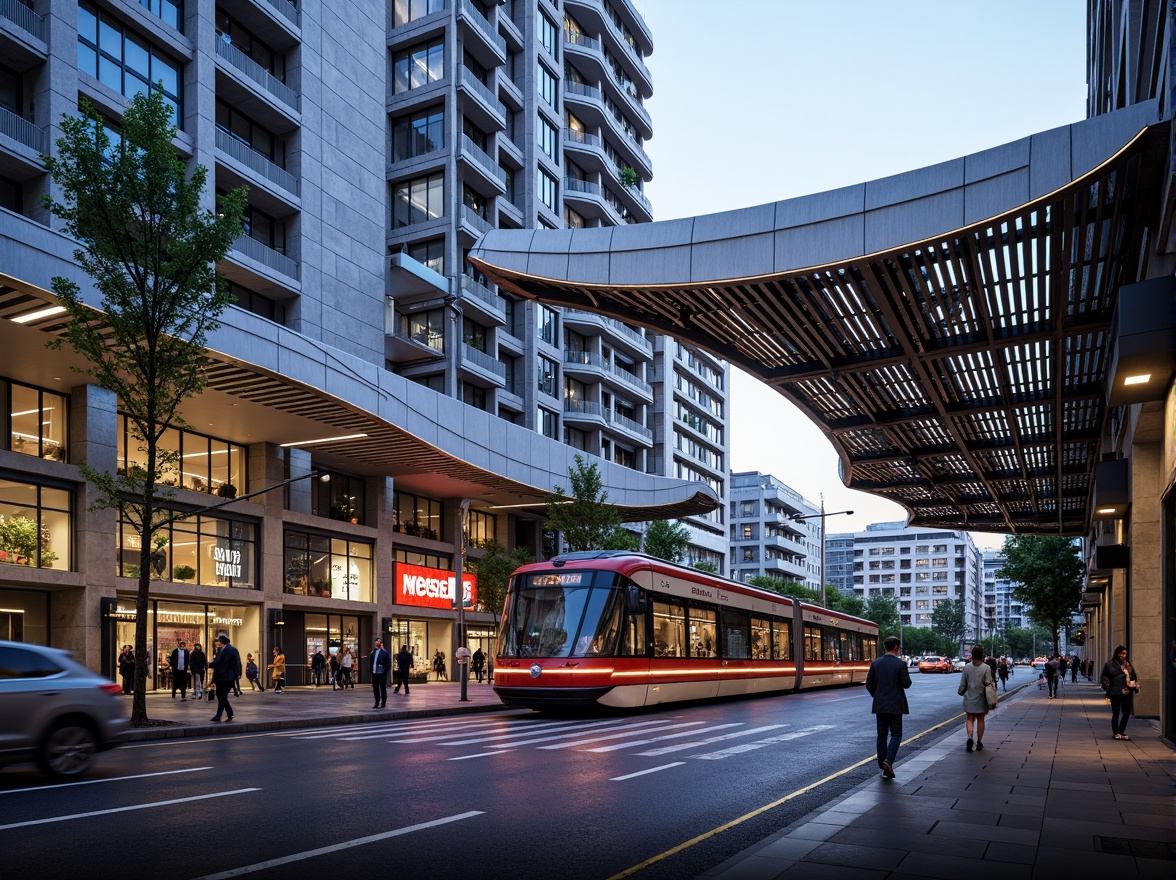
(473,737)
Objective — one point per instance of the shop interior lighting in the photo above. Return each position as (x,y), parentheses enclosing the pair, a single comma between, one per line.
(37,315)
(323,440)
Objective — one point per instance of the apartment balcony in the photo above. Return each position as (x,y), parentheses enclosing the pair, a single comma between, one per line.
(628,148)
(472,224)
(273,260)
(480,368)
(584,364)
(593,15)
(256,75)
(286,10)
(479,103)
(479,37)
(26,141)
(510,215)
(411,282)
(479,171)
(24,19)
(588,51)
(404,346)
(267,171)
(586,198)
(636,429)
(480,302)
(639,346)
(630,382)
(629,198)
(587,102)
(583,412)
(588,150)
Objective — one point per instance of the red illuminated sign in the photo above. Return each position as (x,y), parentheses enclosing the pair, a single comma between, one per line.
(431,587)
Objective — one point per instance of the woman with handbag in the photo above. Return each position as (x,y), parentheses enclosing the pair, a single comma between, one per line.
(978,688)
(1119,681)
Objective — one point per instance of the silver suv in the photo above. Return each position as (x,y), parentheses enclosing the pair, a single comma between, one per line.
(55,711)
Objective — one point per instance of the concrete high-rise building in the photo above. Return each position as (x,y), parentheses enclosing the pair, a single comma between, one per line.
(765,539)
(1001,611)
(377,141)
(839,562)
(920,568)
(531,115)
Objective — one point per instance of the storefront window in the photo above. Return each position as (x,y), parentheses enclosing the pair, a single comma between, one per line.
(342,497)
(335,568)
(207,550)
(480,528)
(37,421)
(35,525)
(24,617)
(418,516)
(201,463)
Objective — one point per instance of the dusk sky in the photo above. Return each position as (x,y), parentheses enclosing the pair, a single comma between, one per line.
(765,100)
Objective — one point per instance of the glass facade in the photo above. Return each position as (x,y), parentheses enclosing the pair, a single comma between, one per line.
(334,568)
(36,527)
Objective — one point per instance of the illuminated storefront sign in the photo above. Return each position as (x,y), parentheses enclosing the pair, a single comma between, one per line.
(432,587)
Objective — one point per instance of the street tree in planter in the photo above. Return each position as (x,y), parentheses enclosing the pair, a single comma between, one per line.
(150,251)
(1048,573)
(586,520)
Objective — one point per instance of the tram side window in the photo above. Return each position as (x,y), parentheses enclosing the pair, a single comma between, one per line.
(812,641)
(781,640)
(669,630)
(761,638)
(869,647)
(855,647)
(633,643)
(735,634)
(833,645)
(702,632)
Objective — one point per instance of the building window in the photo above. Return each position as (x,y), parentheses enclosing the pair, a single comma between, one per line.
(547,326)
(548,139)
(208,550)
(418,134)
(549,36)
(335,568)
(343,497)
(547,85)
(548,375)
(418,200)
(237,35)
(572,220)
(11,195)
(168,10)
(473,396)
(124,61)
(200,463)
(547,188)
(418,516)
(36,526)
(429,253)
(418,66)
(481,528)
(257,303)
(404,11)
(547,423)
(242,128)
(37,421)
(576,438)
(427,328)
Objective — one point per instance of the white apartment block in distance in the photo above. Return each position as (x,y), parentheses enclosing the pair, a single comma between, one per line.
(920,568)
(765,540)
(1001,611)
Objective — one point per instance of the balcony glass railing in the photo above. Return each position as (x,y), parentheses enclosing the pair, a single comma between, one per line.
(583,407)
(472,218)
(628,424)
(575,185)
(288,10)
(467,10)
(483,360)
(23,17)
(266,255)
(482,159)
(482,293)
(583,91)
(256,72)
(573,38)
(475,85)
(249,157)
(20,129)
(573,136)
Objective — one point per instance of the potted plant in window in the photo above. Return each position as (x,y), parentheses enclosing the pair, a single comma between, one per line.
(19,539)
(341,510)
(183,573)
(226,490)
(629,176)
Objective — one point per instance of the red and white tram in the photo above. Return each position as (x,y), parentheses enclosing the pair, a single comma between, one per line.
(623,629)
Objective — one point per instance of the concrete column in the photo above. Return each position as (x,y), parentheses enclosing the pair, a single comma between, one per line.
(1143,607)
(379,513)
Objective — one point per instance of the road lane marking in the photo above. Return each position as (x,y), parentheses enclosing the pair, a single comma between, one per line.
(622,735)
(644,742)
(347,844)
(112,779)
(464,737)
(199,797)
(665,750)
(650,770)
(568,728)
(652,860)
(478,755)
(761,743)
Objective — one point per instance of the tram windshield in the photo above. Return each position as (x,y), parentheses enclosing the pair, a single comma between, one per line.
(563,614)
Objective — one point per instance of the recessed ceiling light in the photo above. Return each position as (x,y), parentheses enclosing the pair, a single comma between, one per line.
(1105,510)
(1138,380)
(37,315)
(323,440)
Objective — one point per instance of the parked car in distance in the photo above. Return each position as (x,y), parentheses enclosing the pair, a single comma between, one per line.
(958,664)
(935,664)
(54,711)
(913,661)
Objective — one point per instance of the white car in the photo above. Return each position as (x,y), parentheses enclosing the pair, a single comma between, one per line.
(958,664)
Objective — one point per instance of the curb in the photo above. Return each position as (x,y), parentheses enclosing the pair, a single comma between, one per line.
(183,731)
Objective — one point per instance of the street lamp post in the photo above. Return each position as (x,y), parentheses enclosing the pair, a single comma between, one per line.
(801,517)
(461,654)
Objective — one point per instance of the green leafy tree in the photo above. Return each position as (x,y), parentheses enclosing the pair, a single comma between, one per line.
(1048,573)
(150,250)
(883,610)
(708,567)
(494,570)
(918,640)
(848,603)
(667,540)
(949,622)
(585,518)
(785,588)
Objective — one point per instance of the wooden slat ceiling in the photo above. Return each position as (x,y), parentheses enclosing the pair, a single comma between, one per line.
(962,376)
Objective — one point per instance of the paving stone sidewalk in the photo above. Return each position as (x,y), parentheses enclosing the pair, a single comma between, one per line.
(1053,795)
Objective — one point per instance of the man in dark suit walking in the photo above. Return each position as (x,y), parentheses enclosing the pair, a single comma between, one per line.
(226,669)
(404,663)
(381,663)
(887,682)
(181,664)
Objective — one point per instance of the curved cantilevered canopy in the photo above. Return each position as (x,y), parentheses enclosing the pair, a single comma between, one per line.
(948,329)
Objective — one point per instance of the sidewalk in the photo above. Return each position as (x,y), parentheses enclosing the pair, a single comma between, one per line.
(307,706)
(1053,794)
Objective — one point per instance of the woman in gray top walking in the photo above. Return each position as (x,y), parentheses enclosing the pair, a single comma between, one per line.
(976,677)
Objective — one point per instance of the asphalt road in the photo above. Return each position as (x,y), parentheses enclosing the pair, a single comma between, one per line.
(487,796)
